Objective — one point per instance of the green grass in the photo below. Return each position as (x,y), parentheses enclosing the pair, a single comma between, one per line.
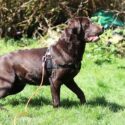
(103,84)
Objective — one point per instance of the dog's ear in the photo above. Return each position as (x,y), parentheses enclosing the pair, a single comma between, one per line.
(85,22)
(75,25)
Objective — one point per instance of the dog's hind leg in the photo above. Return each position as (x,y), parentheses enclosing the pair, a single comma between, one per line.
(4,88)
(16,87)
(74,88)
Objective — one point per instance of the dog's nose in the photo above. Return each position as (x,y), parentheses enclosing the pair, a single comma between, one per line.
(101,30)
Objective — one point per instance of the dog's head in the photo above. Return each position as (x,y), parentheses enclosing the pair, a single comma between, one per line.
(84,25)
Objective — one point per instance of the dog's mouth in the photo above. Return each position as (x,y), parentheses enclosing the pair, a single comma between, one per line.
(92,38)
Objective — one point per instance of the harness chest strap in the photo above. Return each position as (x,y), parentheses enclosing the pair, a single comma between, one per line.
(49,64)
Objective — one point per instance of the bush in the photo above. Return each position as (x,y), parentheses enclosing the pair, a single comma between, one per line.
(34,17)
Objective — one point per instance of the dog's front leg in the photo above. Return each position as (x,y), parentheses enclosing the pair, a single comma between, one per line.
(55,91)
(74,88)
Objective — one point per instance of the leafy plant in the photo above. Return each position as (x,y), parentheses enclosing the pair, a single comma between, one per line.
(34,17)
(101,52)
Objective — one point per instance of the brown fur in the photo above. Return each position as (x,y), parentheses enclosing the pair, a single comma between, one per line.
(25,66)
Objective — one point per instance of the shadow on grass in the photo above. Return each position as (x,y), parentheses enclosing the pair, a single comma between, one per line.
(101,101)
(65,103)
(102,61)
(40,101)
(121,67)
(23,100)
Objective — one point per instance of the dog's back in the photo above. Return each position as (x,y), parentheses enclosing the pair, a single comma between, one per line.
(19,67)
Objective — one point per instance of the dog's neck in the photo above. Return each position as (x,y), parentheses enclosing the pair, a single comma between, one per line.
(70,46)
(73,43)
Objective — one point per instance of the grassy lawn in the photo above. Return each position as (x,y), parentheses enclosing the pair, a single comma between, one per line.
(103,85)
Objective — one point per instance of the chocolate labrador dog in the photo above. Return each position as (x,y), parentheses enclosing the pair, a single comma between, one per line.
(61,62)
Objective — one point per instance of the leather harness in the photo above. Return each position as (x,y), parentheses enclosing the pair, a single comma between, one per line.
(49,66)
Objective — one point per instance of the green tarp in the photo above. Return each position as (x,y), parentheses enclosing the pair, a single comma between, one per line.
(107,19)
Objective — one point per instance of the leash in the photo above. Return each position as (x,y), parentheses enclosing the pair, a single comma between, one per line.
(48,64)
(34,94)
